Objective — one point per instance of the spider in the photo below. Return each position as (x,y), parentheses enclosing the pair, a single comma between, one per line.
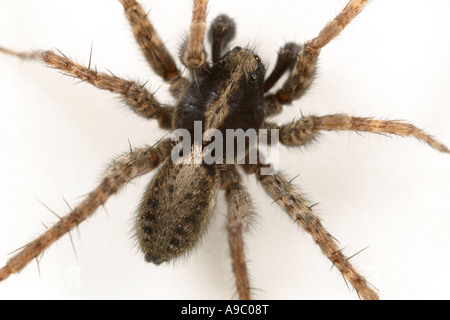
(325,221)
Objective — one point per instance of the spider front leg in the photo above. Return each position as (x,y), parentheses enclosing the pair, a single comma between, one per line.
(194,56)
(153,47)
(239,215)
(120,172)
(138,98)
(304,69)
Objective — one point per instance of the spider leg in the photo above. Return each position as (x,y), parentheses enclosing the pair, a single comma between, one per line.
(138,98)
(194,56)
(239,215)
(292,201)
(305,130)
(303,72)
(153,47)
(120,172)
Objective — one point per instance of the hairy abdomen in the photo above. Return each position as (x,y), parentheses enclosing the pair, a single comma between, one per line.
(175,210)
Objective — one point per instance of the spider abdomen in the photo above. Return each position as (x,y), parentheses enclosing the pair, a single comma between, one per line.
(175,210)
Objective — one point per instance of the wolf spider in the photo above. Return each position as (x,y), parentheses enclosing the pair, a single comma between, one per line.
(292,58)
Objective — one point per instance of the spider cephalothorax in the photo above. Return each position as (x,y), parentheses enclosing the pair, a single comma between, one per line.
(228,92)
(228,95)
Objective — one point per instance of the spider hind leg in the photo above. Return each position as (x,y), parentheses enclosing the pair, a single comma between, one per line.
(288,197)
(239,216)
(121,171)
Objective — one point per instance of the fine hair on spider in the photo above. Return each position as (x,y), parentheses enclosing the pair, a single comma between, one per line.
(223,87)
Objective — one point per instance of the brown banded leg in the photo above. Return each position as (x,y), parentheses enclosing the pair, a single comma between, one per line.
(221,32)
(153,47)
(303,72)
(292,201)
(305,130)
(138,98)
(194,56)
(239,215)
(120,172)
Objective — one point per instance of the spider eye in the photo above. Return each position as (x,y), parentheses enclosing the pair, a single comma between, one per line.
(253,77)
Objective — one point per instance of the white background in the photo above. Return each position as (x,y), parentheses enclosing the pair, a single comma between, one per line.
(388,193)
